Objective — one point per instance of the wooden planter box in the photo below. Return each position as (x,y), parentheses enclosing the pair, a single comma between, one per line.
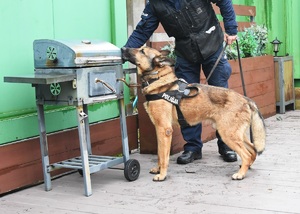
(259,80)
(260,86)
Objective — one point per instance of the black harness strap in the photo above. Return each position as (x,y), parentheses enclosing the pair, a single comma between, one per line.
(174,97)
(182,86)
(181,120)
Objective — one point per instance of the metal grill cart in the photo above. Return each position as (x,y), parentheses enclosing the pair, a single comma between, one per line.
(79,73)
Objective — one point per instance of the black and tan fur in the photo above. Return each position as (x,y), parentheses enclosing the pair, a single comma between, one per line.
(229,112)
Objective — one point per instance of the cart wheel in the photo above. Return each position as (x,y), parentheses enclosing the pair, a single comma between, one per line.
(80,172)
(132,170)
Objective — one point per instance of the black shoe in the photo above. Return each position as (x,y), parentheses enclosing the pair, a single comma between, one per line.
(188,157)
(227,154)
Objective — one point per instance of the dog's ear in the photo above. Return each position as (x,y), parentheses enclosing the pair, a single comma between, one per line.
(162,61)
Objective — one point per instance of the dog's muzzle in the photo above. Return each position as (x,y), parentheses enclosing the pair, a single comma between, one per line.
(124,54)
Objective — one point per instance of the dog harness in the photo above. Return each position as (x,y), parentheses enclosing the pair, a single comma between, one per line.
(174,97)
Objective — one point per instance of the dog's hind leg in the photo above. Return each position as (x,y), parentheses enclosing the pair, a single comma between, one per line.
(250,148)
(164,138)
(234,138)
(246,162)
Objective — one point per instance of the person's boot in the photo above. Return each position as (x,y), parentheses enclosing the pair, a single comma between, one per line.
(227,154)
(188,157)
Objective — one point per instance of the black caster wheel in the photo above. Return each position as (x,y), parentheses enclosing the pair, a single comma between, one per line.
(80,172)
(132,170)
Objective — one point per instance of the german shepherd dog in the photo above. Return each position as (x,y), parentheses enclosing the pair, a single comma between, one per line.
(229,112)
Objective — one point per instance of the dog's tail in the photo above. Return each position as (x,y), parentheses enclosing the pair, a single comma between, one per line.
(258,129)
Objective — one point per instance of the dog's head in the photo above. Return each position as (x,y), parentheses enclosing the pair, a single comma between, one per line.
(146,59)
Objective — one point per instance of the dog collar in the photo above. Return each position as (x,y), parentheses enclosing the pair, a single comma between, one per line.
(145,83)
(149,73)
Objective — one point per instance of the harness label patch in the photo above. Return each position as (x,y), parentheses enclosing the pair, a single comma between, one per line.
(169,98)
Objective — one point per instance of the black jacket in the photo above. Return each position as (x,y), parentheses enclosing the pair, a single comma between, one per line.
(195,27)
(193,23)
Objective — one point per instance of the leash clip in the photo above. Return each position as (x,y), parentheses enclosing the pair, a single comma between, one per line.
(145,84)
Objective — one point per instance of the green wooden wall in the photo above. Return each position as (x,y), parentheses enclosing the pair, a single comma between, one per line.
(281,18)
(24,21)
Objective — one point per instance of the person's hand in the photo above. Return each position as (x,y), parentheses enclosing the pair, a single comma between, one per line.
(229,39)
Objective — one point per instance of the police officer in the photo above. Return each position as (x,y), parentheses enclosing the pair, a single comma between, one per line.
(198,43)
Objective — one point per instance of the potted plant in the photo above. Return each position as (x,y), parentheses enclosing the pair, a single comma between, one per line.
(252,42)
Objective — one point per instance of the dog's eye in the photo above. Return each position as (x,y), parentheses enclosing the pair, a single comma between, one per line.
(142,51)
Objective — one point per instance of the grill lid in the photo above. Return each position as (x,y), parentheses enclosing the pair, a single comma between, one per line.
(66,54)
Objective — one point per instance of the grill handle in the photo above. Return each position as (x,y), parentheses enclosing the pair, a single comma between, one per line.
(97,60)
(106,85)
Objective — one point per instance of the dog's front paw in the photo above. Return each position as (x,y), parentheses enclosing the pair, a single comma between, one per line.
(154,170)
(238,176)
(159,177)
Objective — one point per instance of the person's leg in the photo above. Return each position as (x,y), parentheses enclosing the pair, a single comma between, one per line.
(220,78)
(191,134)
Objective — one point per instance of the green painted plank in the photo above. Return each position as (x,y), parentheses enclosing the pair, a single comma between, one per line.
(56,19)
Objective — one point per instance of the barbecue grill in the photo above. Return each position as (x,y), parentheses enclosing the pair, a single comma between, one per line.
(79,73)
